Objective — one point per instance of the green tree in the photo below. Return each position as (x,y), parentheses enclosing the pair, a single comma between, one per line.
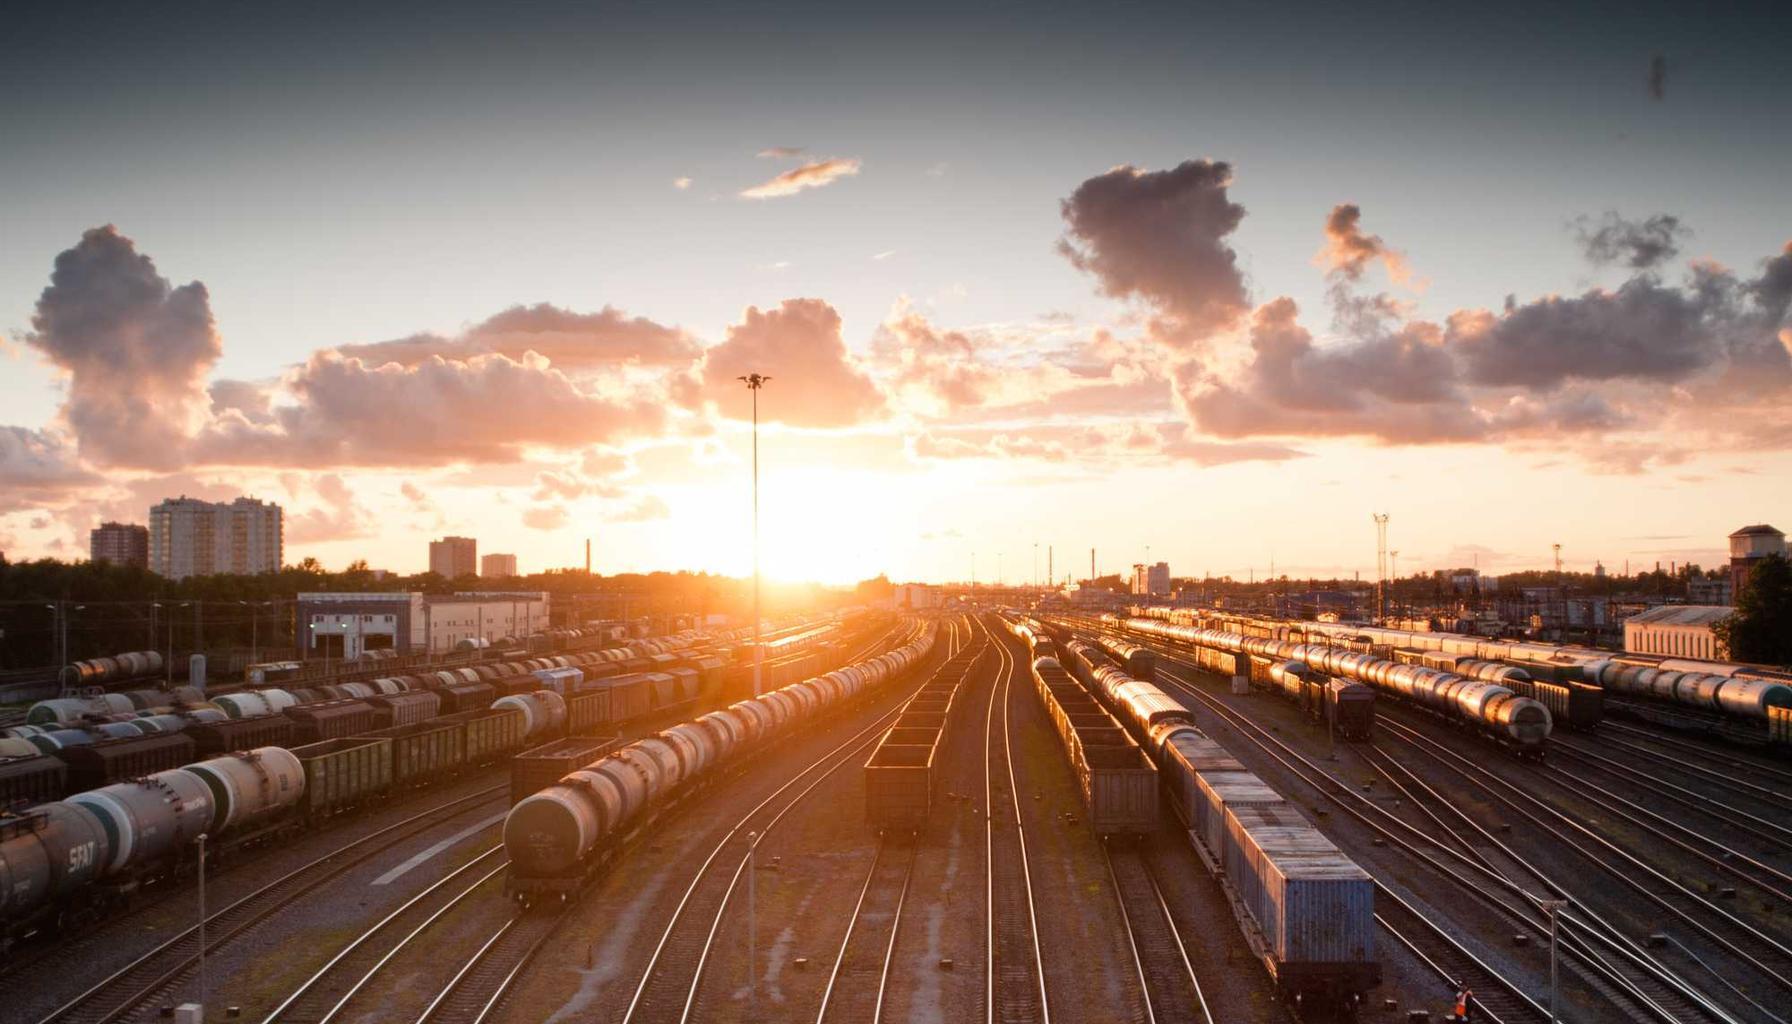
(1760,629)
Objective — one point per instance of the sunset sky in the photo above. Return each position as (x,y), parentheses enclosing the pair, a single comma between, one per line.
(1217,280)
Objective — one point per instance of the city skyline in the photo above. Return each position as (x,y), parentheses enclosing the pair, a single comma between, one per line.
(1220,310)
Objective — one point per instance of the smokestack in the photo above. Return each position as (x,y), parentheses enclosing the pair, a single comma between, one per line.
(1049,572)
(587,556)
(1091,565)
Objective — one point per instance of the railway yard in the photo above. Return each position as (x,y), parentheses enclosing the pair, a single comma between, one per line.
(996,815)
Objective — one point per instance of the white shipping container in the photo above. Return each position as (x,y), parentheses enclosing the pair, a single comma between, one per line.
(1313,904)
(1220,790)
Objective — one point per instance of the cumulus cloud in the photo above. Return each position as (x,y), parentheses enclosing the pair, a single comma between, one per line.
(135,348)
(339,516)
(546,517)
(571,341)
(1637,244)
(37,467)
(944,366)
(1349,251)
(343,412)
(810,175)
(815,382)
(1643,330)
(1161,237)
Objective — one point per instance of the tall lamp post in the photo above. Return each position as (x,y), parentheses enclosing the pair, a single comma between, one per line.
(755,381)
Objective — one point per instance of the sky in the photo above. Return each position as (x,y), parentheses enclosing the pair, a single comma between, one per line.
(1210,284)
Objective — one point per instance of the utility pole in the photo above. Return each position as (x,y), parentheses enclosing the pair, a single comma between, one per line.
(1381,564)
(1554,908)
(755,381)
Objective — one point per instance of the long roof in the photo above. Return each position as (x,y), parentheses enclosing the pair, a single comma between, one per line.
(1682,615)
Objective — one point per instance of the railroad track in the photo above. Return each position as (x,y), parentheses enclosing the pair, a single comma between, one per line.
(671,986)
(327,994)
(1615,966)
(1167,978)
(476,991)
(1765,829)
(137,990)
(1746,943)
(1014,990)
(1496,999)
(1726,758)
(861,975)
(1726,777)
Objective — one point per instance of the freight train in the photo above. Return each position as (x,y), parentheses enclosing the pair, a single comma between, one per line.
(1488,709)
(1731,690)
(559,837)
(1306,909)
(69,861)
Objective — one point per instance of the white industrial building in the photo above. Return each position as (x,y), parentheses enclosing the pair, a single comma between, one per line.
(1676,630)
(347,625)
(189,537)
(1151,579)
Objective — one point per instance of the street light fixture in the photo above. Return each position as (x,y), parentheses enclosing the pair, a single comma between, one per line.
(755,381)
(1554,909)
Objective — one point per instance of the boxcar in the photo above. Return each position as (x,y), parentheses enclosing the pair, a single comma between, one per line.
(538,768)
(32,780)
(631,697)
(1350,709)
(1577,706)
(93,765)
(330,720)
(1779,725)
(588,714)
(213,738)
(344,773)
(457,697)
(405,708)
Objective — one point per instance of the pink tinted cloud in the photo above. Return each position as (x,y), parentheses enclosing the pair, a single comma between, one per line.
(815,174)
(815,382)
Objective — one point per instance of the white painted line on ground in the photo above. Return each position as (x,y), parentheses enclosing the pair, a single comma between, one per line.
(393,875)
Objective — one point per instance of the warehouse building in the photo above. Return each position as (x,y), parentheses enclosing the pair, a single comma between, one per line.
(347,625)
(189,537)
(1676,630)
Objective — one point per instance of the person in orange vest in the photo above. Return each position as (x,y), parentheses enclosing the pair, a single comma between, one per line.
(1464,1002)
